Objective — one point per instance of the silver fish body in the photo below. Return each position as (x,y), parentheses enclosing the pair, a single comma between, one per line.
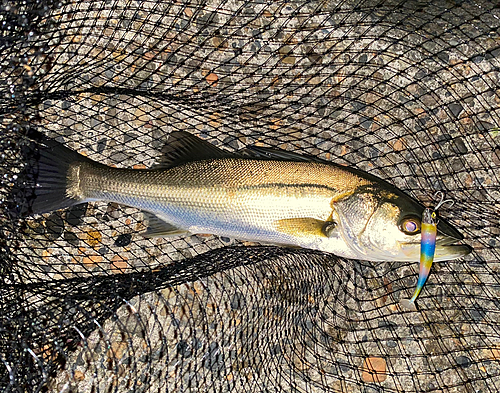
(263,195)
(257,200)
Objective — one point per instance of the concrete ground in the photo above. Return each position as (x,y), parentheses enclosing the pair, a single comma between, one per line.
(404,90)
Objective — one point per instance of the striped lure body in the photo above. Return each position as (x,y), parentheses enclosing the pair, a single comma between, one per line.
(428,236)
(427,248)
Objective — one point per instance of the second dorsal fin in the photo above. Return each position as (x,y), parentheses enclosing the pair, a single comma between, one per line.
(269,153)
(182,147)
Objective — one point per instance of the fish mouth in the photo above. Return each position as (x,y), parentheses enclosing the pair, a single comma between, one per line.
(448,232)
(446,241)
(448,253)
(446,249)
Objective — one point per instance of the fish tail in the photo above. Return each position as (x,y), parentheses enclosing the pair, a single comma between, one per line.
(46,181)
(408,304)
(53,180)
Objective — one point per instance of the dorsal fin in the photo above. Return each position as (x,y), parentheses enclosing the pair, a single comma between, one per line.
(268,153)
(182,147)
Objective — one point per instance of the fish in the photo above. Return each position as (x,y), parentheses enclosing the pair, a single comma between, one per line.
(256,194)
(427,250)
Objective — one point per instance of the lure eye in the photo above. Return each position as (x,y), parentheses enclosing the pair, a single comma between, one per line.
(433,215)
(410,225)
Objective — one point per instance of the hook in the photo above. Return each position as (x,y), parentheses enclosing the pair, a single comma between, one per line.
(442,201)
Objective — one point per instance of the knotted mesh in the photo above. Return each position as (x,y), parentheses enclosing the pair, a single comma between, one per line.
(404,90)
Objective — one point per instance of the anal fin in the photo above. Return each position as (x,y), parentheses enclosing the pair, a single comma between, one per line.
(159,228)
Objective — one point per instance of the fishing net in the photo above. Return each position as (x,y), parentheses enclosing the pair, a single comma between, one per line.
(406,90)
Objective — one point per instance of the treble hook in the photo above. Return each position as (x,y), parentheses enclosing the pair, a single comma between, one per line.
(442,201)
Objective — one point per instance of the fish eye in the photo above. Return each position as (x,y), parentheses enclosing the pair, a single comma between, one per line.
(433,215)
(410,225)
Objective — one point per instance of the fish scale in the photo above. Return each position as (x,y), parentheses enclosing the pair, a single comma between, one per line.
(212,193)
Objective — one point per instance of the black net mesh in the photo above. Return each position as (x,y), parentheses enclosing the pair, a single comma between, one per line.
(406,90)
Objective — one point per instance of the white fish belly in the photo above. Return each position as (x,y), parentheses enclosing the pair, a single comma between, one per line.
(247,215)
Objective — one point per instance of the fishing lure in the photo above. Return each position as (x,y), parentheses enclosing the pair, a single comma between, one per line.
(427,248)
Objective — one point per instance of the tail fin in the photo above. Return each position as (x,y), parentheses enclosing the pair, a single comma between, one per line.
(51,177)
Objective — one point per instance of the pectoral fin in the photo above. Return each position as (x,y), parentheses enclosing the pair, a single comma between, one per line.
(159,228)
(306,226)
